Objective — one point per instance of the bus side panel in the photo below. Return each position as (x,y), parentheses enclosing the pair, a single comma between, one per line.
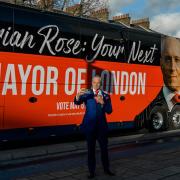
(24,108)
(1,117)
(1,104)
(23,111)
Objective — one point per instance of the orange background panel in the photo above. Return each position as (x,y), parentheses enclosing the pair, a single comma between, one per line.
(1,117)
(20,113)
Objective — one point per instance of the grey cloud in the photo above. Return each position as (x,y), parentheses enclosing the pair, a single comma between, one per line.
(154,7)
(167,23)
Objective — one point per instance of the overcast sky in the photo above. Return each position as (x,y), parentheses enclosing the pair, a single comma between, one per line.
(164,14)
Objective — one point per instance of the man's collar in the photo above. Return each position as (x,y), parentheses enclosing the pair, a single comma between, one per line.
(168,94)
(95,89)
(100,91)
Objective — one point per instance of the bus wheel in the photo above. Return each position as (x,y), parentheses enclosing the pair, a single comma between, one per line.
(174,117)
(158,119)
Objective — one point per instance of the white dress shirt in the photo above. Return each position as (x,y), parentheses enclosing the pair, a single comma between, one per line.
(99,93)
(168,94)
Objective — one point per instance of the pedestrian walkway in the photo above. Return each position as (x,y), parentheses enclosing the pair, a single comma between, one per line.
(159,164)
(24,155)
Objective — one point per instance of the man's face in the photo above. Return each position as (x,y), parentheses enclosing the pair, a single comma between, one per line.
(170,63)
(96,83)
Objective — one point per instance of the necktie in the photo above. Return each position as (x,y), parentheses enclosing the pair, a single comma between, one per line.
(97,91)
(176,98)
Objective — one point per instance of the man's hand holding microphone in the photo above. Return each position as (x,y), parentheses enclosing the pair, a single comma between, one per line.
(81,92)
(98,98)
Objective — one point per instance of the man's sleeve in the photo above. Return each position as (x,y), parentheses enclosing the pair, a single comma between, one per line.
(108,105)
(79,101)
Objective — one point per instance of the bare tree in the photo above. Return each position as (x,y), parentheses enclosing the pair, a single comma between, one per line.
(63,4)
(83,8)
(45,4)
(29,2)
(88,6)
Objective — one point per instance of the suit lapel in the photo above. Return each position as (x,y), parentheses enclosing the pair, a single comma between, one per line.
(92,93)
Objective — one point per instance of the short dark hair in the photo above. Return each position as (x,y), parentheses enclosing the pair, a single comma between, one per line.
(96,76)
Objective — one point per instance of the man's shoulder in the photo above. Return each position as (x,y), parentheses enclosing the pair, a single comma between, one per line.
(159,98)
(88,93)
(106,94)
(160,94)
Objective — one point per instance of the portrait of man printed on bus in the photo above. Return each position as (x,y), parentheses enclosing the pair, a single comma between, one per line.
(170,66)
(164,111)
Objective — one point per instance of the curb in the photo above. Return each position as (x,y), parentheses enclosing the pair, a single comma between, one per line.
(44,152)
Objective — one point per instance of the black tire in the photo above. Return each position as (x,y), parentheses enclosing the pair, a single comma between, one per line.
(174,117)
(158,119)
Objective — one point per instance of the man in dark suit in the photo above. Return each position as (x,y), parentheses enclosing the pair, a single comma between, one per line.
(94,123)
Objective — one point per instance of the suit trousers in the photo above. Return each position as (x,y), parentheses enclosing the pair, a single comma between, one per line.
(102,136)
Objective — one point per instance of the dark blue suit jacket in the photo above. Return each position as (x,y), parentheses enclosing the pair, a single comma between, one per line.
(94,111)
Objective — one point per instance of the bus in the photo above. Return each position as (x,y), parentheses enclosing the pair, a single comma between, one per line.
(46,57)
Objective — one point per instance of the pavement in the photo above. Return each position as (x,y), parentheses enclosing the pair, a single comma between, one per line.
(30,154)
(159,164)
(138,157)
